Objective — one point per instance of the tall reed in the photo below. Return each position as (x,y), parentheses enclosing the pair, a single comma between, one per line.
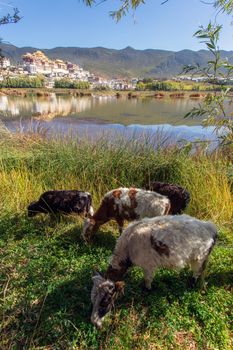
(29,166)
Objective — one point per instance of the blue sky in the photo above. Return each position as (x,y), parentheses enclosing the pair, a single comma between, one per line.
(51,23)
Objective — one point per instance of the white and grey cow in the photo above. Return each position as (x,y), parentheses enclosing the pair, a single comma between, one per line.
(166,241)
(126,204)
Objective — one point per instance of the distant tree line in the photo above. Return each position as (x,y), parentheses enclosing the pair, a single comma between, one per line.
(22,82)
(160,86)
(70,84)
(147,84)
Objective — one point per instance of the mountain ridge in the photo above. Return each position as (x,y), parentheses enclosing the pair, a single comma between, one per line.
(127,62)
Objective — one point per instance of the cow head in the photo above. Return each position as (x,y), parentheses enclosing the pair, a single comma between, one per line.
(103,295)
(33,209)
(89,228)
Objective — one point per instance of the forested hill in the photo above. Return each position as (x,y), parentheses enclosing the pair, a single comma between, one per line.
(127,62)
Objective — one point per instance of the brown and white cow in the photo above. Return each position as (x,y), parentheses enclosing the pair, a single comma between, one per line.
(126,204)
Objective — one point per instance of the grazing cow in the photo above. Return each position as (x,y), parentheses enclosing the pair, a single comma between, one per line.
(62,202)
(179,196)
(165,241)
(126,204)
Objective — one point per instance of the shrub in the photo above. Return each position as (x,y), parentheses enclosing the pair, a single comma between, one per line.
(71,84)
(22,82)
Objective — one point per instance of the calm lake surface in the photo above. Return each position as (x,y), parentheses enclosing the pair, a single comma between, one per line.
(98,115)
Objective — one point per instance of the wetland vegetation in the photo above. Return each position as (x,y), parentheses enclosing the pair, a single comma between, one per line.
(46,268)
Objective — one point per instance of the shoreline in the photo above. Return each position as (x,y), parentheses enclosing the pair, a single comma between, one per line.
(45,92)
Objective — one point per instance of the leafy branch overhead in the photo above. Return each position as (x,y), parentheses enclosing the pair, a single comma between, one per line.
(224,5)
(124,6)
(217,68)
(217,71)
(10,18)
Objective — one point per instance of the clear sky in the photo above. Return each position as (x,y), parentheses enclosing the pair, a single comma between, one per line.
(51,23)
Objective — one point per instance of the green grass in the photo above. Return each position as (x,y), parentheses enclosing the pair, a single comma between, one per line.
(46,268)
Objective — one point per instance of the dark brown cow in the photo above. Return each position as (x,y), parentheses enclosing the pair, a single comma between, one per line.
(179,196)
(62,202)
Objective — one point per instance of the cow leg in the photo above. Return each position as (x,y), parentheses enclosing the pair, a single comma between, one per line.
(198,269)
(148,278)
(120,223)
(55,217)
(91,211)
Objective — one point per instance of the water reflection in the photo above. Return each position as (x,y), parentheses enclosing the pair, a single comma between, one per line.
(104,108)
(102,114)
(46,107)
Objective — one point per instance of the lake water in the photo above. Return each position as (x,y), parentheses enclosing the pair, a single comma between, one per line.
(98,115)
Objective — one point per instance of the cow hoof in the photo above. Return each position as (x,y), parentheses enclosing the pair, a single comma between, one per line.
(192,282)
(145,288)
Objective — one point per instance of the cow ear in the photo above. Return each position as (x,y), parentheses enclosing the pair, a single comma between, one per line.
(96,272)
(120,286)
(92,221)
(97,276)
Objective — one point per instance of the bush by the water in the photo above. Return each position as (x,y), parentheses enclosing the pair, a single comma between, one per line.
(23,82)
(175,86)
(71,84)
(46,268)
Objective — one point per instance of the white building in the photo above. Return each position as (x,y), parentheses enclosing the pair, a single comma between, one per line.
(4,62)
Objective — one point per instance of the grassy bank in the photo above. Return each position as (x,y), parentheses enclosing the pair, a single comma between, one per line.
(46,268)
